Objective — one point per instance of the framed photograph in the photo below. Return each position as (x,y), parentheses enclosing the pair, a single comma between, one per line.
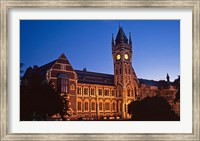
(100,70)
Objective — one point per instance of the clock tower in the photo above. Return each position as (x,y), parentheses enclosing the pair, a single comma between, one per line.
(125,79)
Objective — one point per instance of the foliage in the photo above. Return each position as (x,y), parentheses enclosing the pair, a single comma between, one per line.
(176,83)
(151,109)
(163,84)
(38,99)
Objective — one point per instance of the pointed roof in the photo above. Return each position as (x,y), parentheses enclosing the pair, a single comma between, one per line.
(121,36)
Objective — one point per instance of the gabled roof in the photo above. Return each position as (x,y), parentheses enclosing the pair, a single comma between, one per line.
(95,78)
(43,69)
(121,36)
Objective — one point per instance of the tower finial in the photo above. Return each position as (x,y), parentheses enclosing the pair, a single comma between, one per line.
(130,40)
(112,39)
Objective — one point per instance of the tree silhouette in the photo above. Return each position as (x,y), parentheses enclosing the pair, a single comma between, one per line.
(162,84)
(151,109)
(176,83)
(38,99)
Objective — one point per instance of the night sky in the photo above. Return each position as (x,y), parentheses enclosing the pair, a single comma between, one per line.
(87,43)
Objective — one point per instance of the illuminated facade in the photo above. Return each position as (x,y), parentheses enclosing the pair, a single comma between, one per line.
(95,95)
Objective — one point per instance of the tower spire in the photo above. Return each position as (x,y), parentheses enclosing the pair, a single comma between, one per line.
(130,40)
(113,42)
(121,37)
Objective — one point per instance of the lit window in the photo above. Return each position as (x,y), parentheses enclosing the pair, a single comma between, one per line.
(93,106)
(100,106)
(120,107)
(62,85)
(86,106)
(106,92)
(107,106)
(129,92)
(72,87)
(100,92)
(79,90)
(113,106)
(79,106)
(85,91)
(113,92)
(119,93)
(92,91)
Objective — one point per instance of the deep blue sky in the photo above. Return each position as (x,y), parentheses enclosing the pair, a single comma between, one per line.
(87,43)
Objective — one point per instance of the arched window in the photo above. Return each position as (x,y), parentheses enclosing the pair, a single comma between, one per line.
(72,87)
(79,106)
(93,106)
(113,106)
(86,103)
(107,106)
(100,106)
(119,93)
(128,92)
(119,106)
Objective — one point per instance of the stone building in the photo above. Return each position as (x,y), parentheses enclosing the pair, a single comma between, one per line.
(97,95)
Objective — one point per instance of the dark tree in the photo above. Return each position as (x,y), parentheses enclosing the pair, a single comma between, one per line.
(151,109)
(38,99)
(176,83)
(163,84)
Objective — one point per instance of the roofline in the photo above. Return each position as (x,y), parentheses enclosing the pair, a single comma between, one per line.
(95,72)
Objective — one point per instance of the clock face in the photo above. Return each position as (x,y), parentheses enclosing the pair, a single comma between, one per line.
(126,56)
(118,56)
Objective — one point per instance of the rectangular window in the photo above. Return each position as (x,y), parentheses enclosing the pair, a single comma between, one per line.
(79,90)
(113,92)
(106,92)
(85,91)
(63,85)
(92,91)
(100,92)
